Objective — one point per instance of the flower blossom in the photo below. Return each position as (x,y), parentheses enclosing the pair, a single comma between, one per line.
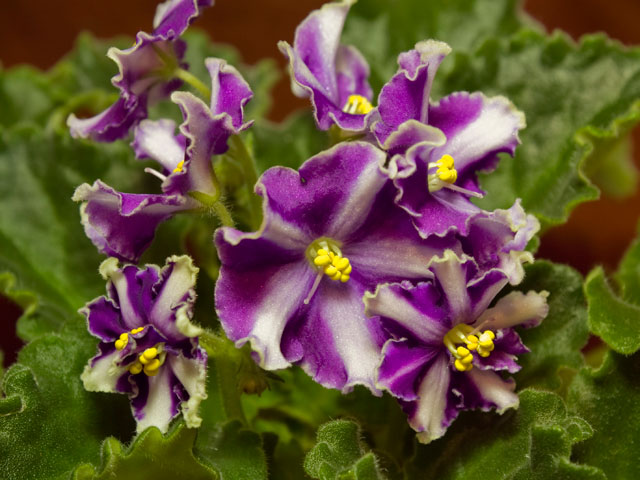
(294,288)
(148,346)
(145,72)
(436,149)
(448,346)
(332,75)
(123,224)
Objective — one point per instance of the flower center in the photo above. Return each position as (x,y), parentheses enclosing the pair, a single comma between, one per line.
(326,258)
(179,167)
(444,175)
(124,338)
(465,336)
(357,105)
(149,361)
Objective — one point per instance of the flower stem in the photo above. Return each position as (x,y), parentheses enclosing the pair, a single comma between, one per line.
(243,156)
(194,81)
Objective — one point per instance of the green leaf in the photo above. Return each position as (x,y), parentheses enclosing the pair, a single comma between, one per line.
(611,318)
(628,274)
(340,454)
(382,29)
(557,341)
(49,254)
(48,422)
(609,399)
(151,455)
(235,452)
(533,442)
(575,98)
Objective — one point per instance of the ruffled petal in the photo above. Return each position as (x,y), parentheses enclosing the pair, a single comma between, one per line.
(486,390)
(517,308)
(111,124)
(452,274)
(103,318)
(401,367)
(156,139)
(104,371)
(124,224)
(505,354)
(192,375)
(409,310)
(333,340)
(324,70)
(477,129)
(230,92)
(158,399)
(174,16)
(406,95)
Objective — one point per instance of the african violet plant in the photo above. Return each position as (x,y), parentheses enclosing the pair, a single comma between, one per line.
(324,297)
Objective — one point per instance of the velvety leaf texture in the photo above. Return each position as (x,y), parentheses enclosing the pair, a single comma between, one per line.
(628,274)
(151,455)
(340,454)
(50,254)
(533,442)
(557,341)
(609,399)
(611,318)
(574,97)
(49,423)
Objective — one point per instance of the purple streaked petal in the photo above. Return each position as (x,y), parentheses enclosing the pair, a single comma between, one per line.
(430,415)
(406,95)
(452,274)
(504,356)
(415,310)
(517,308)
(483,289)
(103,319)
(156,403)
(156,139)
(174,296)
(477,129)
(229,94)
(174,16)
(124,224)
(408,134)
(111,124)
(326,71)
(192,375)
(401,367)
(103,373)
(334,341)
(486,390)
(255,303)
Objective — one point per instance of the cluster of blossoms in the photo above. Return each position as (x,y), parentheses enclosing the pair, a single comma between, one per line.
(371,267)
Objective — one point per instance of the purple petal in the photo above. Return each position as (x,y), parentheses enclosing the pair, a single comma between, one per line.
(326,71)
(484,390)
(103,319)
(124,224)
(334,341)
(504,356)
(477,129)
(157,140)
(174,16)
(229,94)
(157,401)
(402,366)
(408,310)
(192,375)
(113,123)
(406,95)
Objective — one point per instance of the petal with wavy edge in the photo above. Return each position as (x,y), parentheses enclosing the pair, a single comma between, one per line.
(229,93)
(415,309)
(192,374)
(477,129)
(452,274)
(156,139)
(124,224)
(491,391)
(156,403)
(111,124)
(406,95)
(104,372)
(517,308)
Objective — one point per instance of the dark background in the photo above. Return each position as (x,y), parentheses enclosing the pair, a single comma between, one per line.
(39,32)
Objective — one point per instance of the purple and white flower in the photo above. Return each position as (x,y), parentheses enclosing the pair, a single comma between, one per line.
(145,72)
(448,346)
(294,288)
(148,346)
(123,224)
(334,76)
(437,149)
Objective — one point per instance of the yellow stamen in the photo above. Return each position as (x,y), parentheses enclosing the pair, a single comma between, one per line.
(463,334)
(137,330)
(136,368)
(179,167)
(122,341)
(325,256)
(357,105)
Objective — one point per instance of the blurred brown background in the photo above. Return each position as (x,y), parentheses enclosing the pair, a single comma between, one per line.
(39,32)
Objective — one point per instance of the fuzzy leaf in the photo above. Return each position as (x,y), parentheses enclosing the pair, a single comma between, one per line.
(628,274)
(151,455)
(533,442)
(557,341)
(340,454)
(609,399)
(50,254)
(611,318)
(48,422)
(575,97)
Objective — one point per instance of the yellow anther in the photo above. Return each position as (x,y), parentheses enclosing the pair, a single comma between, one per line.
(467,360)
(344,278)
(325,256)
(347,271)
(137,330)
(322,260)
(179,167)
(461,341)
(150,353)
(330,270)
(462,367)
(136,368)
(120,344)
(490,334)
(445,161)
(463,352)
(124,337)
(336,276)
(483,353)
(357,105)
(486,343)
(341,263)
(472,338)
(152,365)
(150,373)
